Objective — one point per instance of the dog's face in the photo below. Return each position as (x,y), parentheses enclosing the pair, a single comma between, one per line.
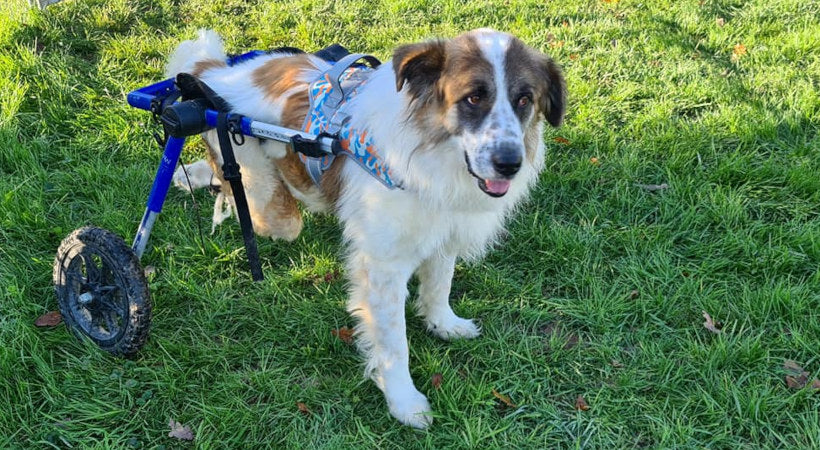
(483,90)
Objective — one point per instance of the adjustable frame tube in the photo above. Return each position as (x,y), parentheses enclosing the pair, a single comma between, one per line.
(159,190)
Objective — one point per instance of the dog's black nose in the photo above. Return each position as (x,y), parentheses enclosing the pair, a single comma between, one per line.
(506,161)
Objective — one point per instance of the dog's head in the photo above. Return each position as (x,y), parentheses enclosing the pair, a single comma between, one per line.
(485,91)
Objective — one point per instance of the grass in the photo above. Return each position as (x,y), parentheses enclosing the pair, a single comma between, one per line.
(598,290)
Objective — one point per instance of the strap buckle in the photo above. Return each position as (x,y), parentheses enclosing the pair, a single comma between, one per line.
(312,148)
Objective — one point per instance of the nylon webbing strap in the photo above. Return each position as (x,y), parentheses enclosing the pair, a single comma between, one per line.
(230,172)
(336,94)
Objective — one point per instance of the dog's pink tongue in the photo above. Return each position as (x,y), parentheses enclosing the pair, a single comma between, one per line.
(497,186)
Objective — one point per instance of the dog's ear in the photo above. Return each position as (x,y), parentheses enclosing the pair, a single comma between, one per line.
(553,101)
(420,65)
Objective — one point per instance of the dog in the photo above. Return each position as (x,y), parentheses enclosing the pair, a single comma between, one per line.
(459,122)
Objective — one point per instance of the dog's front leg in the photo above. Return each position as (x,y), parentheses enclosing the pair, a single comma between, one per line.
(378,293)
(435,278)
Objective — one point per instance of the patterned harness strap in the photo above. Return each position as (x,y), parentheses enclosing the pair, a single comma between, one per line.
(329,97)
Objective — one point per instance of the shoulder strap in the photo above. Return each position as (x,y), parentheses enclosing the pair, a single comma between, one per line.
(336,94)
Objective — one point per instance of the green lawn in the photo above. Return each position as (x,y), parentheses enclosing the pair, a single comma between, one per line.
(597,291)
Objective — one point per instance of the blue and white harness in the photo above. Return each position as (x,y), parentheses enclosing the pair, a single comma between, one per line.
(330,95)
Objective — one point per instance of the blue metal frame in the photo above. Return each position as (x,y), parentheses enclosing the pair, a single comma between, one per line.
(143,98)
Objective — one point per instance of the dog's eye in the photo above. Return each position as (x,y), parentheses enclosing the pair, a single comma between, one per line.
(523,101)
(473,100)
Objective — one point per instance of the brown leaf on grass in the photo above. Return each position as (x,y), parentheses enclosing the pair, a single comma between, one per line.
(720,22)
(710,324)
(573,56)
(344,333)
(797,377)
(565,24)
(595,161)
(49,319)
(303,408)
(436,380)
(556,44)
(791,367)
(738,52)
(504,399)
(581,404)
(332,276)
(561,140)
(180,431)
(796,383)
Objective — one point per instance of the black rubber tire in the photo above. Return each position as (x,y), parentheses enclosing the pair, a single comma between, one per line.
(101,290)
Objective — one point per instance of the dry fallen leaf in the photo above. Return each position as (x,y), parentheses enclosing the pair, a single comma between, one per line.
(565,24)
(556,44)
(49,319)
(573,56)
(436,380)
(561,140)
(792,367)
(581,404)
(738,52)
(303,408)
(710,324)
(720,21)
(344,333)
(180,431)
(798,378)
(504,399)
(595,161)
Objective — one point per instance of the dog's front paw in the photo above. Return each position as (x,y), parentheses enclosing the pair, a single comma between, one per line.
(411,408)
(450,326)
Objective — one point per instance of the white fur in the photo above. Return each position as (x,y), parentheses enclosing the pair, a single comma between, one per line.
(439,216)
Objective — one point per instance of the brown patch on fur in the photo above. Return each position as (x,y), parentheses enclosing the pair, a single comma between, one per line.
(530,71)
(205,65)
(296,109)
(280,217)
(280,75)
(439,75)
(294,172)
(331,184)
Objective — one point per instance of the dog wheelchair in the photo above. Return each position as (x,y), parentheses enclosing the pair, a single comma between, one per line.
(100,284)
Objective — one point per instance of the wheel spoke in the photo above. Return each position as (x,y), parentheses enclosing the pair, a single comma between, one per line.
(92,272)
(110,323)
(110,302)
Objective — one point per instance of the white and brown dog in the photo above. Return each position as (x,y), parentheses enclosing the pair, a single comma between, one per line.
(459,122)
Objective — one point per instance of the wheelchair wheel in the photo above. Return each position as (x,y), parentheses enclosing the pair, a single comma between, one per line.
(101,290)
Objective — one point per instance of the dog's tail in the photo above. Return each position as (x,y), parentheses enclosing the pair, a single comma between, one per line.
(207,46)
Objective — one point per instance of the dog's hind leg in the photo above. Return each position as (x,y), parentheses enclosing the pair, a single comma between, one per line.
(435,279)
(377,298)
(280,217)
(273,209)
